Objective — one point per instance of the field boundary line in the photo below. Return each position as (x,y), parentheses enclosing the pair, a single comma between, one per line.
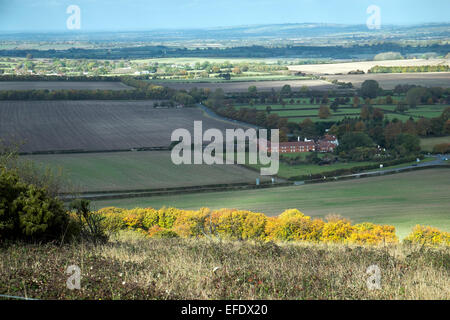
(194,189)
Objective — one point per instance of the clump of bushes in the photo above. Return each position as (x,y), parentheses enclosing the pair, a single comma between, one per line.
(28,212)
(232,224)
(428,236)
(371,234)
(442,148)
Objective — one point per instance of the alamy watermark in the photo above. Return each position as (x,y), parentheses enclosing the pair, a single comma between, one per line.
(73,22)
(374,280)
(74,281)
(191,150)
(374,20)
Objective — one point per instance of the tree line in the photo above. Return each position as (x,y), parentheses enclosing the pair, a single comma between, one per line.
(398,69)
(35,77)
(254,51)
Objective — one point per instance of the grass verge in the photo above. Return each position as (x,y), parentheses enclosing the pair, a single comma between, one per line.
(134,268)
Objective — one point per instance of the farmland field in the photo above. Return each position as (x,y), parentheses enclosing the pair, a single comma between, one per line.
(139,170)
(287,171)
(346,67)
(427,144)
(247,77)
(388,81)
(402,200)
(302,109)
(260,85)
(95,125)
(299,112)
(63,85)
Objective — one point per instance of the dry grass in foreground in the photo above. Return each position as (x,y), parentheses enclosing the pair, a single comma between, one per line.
(130,267)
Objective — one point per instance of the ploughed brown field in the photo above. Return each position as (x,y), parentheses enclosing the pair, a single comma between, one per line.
(260,85)
(388,81)
(95,125)
(63,85)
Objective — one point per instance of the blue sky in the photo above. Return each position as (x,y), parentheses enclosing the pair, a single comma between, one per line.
(40,15)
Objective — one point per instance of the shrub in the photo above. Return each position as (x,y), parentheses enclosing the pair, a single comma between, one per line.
(167,217)
(291,225)
(254,226)
(158,232)
(113,219)
(271,228)
(151,218)
(442,148)
(430,236)
(27,212)
(191,223)
(230,223)
(336,229)
(369,233)
(134,219)
(294,225)
(92,228)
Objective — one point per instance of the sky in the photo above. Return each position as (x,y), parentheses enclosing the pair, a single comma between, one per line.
(114,15)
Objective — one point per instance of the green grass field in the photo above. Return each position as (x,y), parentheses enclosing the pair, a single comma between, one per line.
(287,171)
(116,171)
(427,144)
(402,200)
(139,170)
(426,111)
(291,111)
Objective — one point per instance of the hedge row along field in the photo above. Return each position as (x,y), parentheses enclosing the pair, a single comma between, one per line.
(232,224)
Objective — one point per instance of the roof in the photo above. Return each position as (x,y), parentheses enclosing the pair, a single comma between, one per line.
(326,144)
(329,137)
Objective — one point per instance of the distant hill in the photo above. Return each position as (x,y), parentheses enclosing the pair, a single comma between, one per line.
(300,31)
(302,40)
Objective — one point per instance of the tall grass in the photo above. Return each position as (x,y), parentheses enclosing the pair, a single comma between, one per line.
(133,267)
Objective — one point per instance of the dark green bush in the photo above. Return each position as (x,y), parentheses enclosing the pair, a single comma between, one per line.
(91,226)
(27,212)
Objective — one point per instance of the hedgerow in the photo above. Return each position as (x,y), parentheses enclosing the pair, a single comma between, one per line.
(233,224)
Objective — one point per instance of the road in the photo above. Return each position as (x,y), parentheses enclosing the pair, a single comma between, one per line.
(439,161)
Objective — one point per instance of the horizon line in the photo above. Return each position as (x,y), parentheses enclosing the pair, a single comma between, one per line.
(216,27)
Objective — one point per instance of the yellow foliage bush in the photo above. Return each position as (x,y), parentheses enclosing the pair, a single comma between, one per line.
(167,217)
(158,232)
(254,226)
(336,231)
(191,223)
(291,213)
(294,225)
(229,223)
(271,228)
(426,235)
(134,218)
(369,233)
(151,218)
(290,225)
(113,218)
